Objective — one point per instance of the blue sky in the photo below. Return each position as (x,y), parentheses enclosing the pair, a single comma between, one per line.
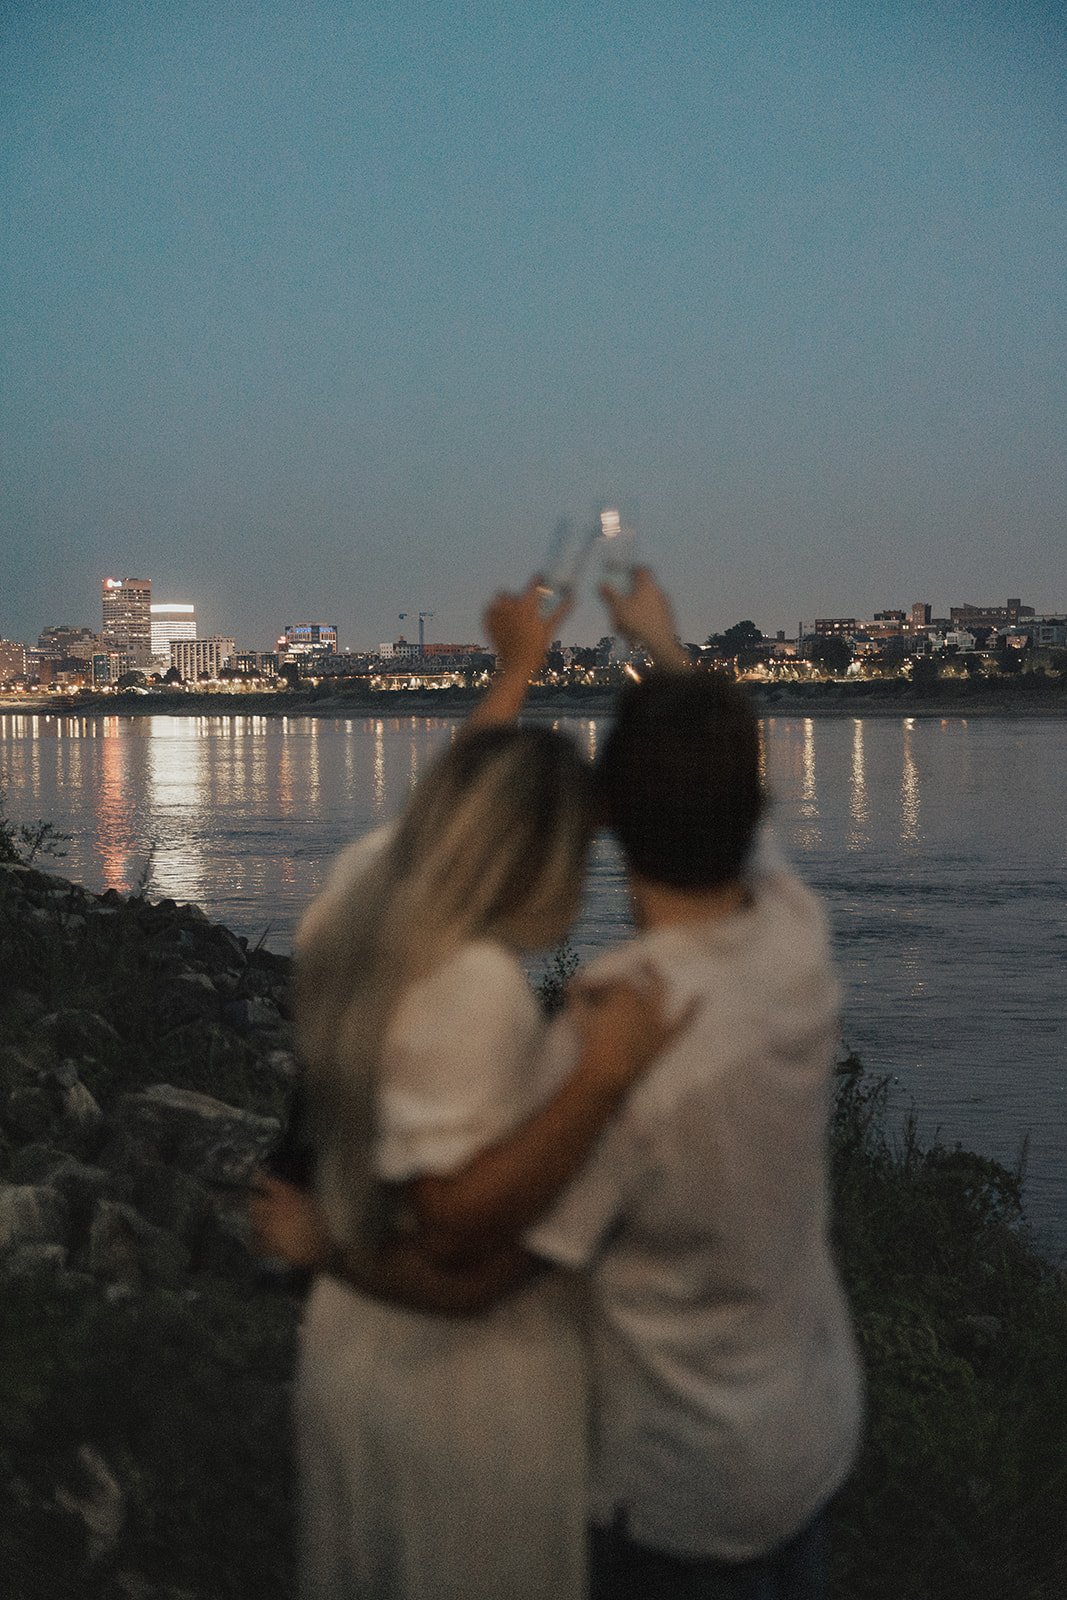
(331,311)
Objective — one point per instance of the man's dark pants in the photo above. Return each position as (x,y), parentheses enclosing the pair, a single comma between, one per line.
(620,1569)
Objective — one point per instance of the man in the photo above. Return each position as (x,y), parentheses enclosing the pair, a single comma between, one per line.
(726,1389)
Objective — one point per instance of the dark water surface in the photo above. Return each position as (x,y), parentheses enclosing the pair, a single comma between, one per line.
(941,848)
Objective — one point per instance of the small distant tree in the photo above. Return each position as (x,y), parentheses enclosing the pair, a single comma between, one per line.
(832,654)
(925,673)
(740,636)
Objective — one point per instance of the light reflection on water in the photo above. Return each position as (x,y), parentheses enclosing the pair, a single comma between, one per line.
(859,814)
(941,849)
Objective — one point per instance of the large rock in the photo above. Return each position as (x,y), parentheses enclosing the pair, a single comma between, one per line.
(98,1500)
(213,1141)
(124,1248)
(252,1012)
(31,1214)
(29,1111)
(57,1103)
(77,1033)
(186,998)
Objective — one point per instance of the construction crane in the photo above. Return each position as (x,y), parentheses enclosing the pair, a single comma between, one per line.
(403,615)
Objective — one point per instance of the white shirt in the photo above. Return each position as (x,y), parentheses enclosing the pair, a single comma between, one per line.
(460,1064)
(727,1391)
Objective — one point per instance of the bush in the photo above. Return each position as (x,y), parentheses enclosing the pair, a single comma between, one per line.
(961,1488)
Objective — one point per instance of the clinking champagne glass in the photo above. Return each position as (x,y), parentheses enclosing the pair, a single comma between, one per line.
(567,555)
(617,540)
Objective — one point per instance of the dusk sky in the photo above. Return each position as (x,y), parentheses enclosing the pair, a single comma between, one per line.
(330,311)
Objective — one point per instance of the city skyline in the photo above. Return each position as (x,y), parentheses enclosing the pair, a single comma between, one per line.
(351,306)
(180,623)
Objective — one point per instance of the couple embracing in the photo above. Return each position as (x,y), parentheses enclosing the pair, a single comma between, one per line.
(575,1328)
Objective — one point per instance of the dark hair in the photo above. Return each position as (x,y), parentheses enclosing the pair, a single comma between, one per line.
(680,781)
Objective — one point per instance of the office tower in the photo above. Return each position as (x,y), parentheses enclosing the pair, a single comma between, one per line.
(12,661)
(201,658)
(64,641)
(127,608)
(168,624)
(309,639)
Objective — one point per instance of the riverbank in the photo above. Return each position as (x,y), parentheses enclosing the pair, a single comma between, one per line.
(1023,695)
(146,1358)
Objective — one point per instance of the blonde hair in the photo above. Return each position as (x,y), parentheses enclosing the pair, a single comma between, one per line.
(491,846)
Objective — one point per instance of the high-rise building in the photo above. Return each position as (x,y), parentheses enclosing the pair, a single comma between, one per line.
(309,639)
(201,658)
(64,641)
(169,623)
(127,608)
(920,616)
(12,661)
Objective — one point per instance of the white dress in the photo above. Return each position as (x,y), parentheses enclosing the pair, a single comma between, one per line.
(445,1459)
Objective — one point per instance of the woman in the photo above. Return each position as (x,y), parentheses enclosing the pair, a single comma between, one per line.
(446,1458)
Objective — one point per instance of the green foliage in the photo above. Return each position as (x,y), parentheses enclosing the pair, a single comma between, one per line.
(186,1398)
(831,653)
(552,985)
(961,1489)
(27,840)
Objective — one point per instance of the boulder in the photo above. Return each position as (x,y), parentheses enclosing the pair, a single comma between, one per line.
(98,1500)
(124,1248)
(74,1103)
(254,1011)
(29,1111)
(77,1033)
(35,1260)
(82,1185)
(206,1138)
(57,1104)
(31,1214)
(186,997)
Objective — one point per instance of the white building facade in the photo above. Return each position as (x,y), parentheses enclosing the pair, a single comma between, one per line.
(169,624)
(199,658)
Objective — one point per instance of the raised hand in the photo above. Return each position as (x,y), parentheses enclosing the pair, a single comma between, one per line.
(518,632)
(520,635)
(645,616)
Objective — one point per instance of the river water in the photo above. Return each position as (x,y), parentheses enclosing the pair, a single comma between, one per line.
(940,847)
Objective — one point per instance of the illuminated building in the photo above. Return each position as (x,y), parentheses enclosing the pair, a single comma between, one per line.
(168,624)
(12,661)
(108,666)
(201,658)
(309,639)
(127,608)
(972,616)
(64,641)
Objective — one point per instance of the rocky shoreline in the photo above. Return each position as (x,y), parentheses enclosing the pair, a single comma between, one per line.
(145,1071)
(146,1357)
